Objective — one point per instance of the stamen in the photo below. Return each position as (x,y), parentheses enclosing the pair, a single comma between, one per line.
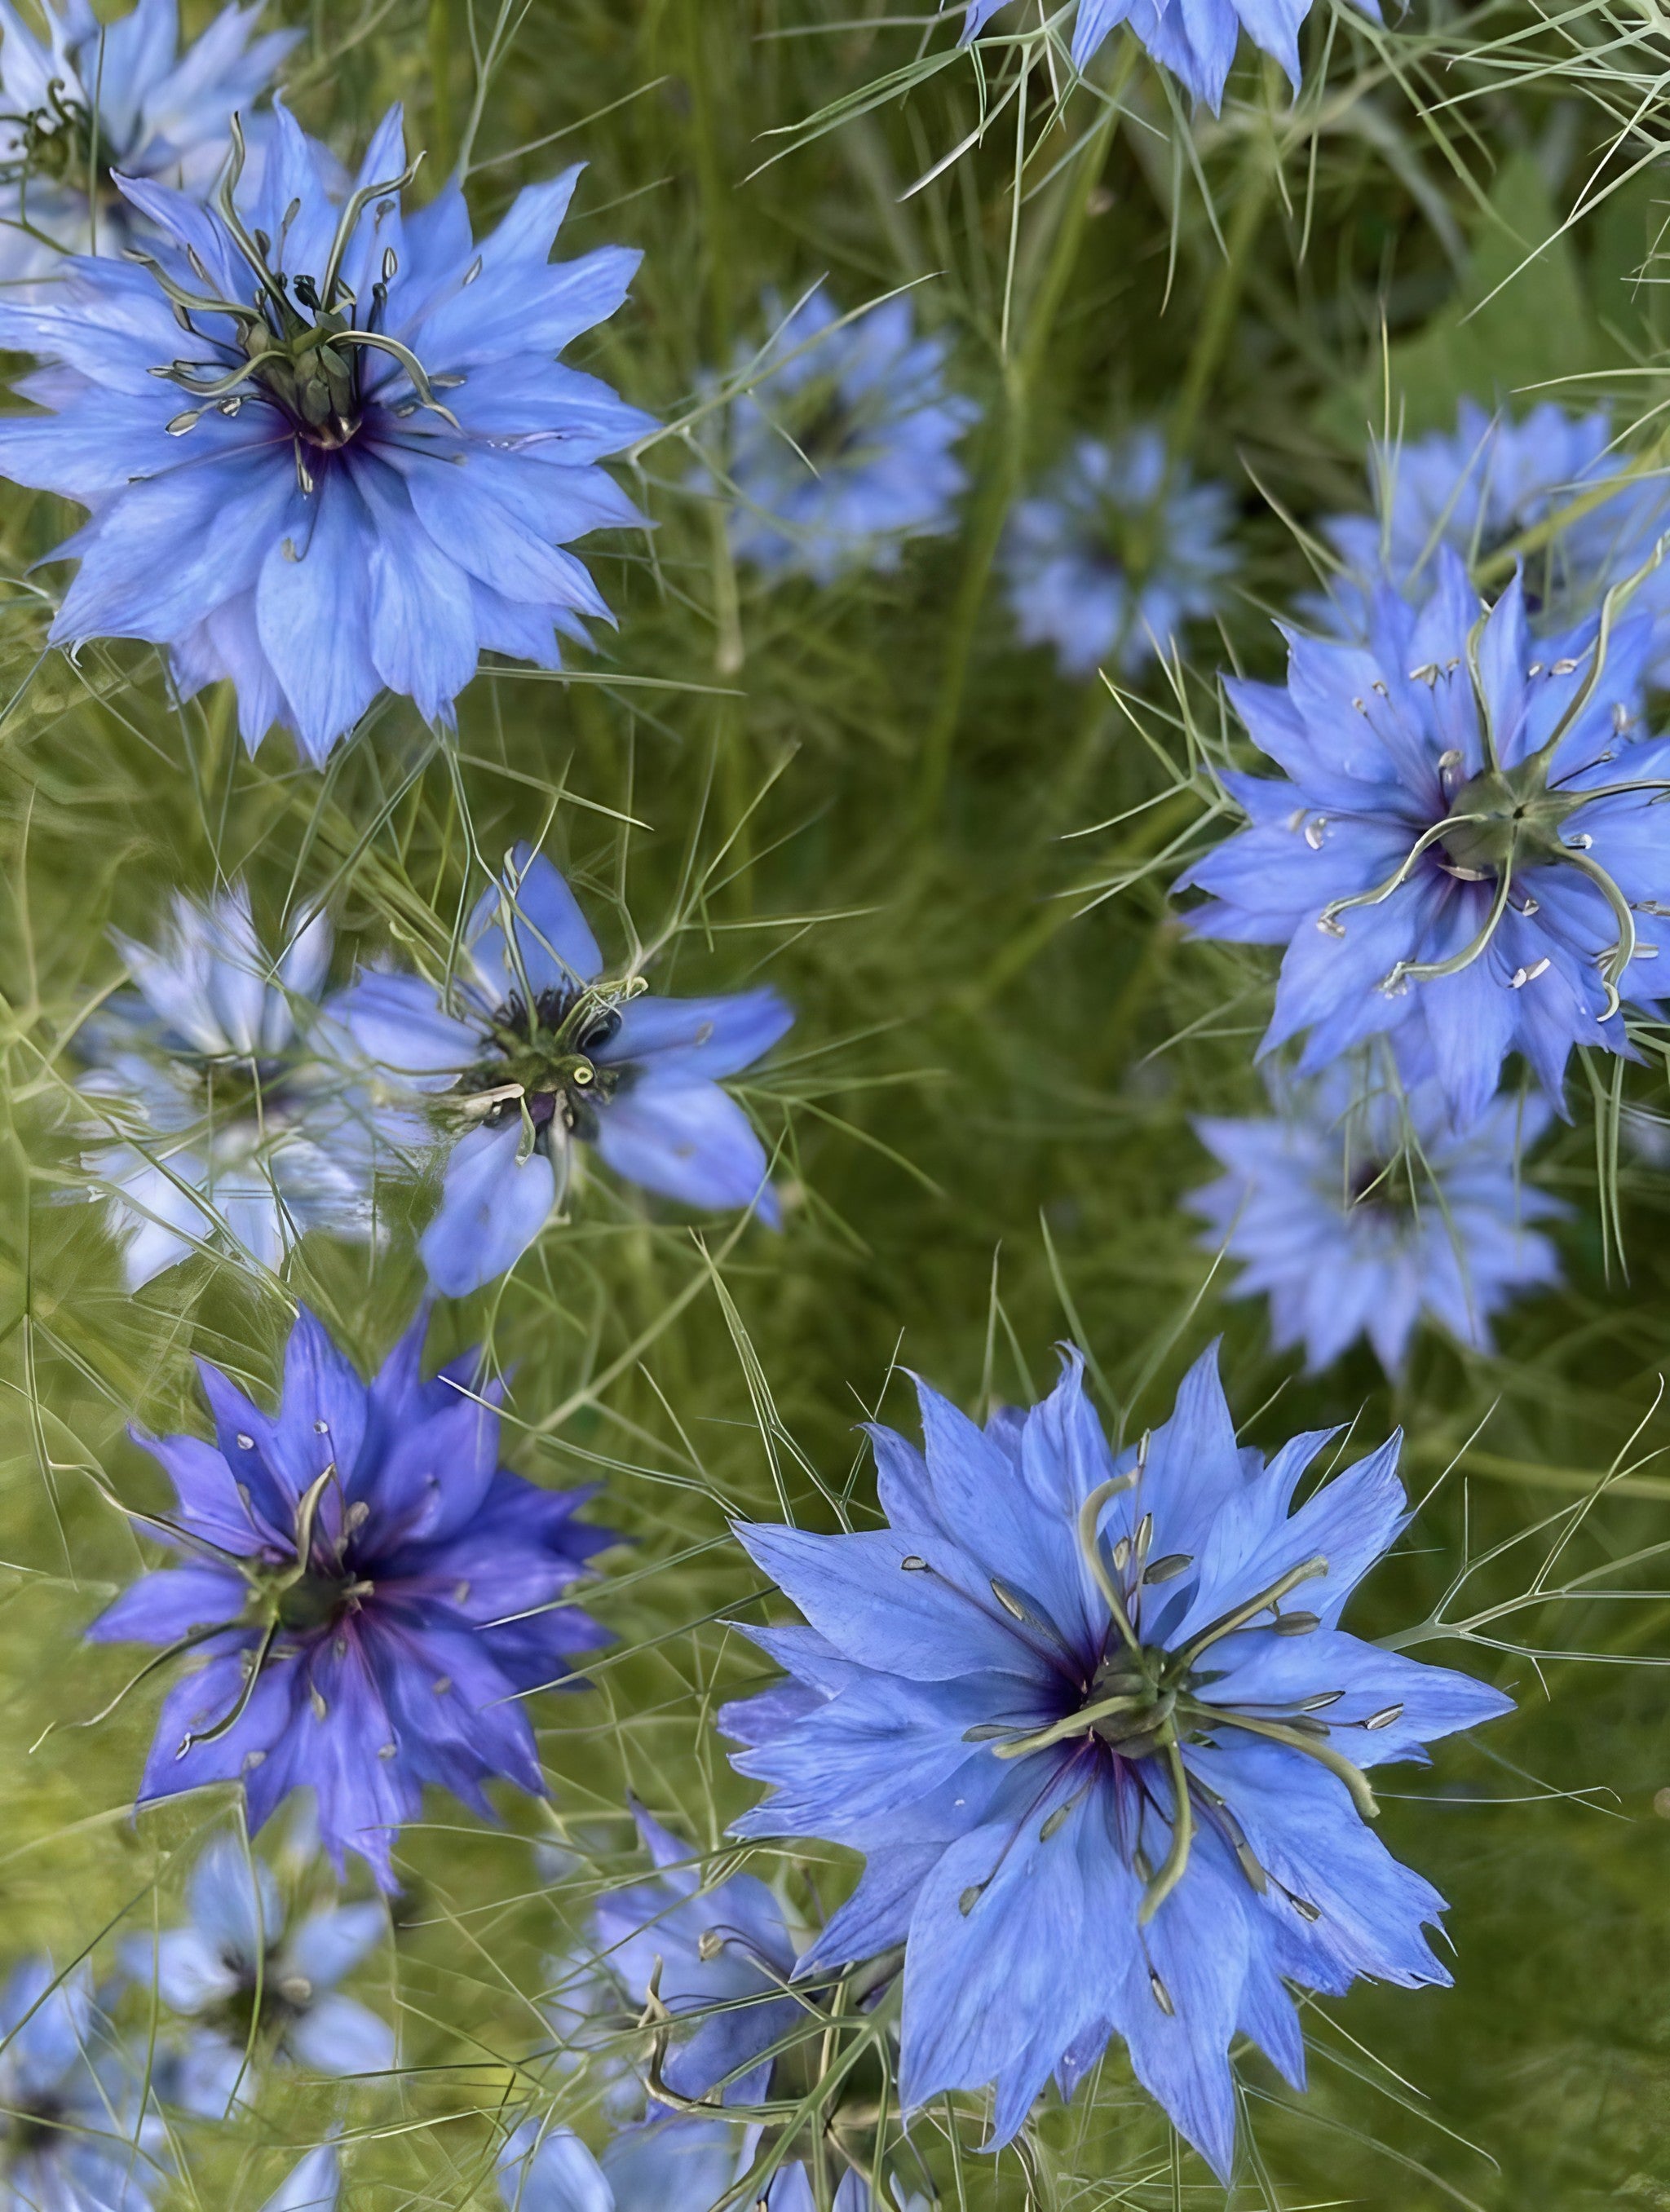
(1226,1624)
(1182,1831)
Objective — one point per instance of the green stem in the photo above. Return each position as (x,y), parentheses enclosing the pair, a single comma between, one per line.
(1258,177)
(443,133)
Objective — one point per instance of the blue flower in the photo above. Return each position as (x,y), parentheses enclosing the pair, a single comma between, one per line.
(537,1053)
(76,2133)
(840,450)
(1195,39)
(722,1953)
(313,2183)
(1481,487)
(367,479)
(1116,554)
(369,1596)
(669,2166)
(1464,847)
(98,96)
(1097,1730)
(1358,1210)
(226,1121)
(243,1966)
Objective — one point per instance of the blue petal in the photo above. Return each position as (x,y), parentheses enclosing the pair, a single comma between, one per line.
(699,1036)
(554,947)
(492,1207)
(685,1138)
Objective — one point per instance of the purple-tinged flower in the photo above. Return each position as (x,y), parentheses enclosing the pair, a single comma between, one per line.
(1480,488)
(528,1051)
(1357,1211)
(719,1956)
(312,2184)
(367,477)
(1094,1725)
(1464,849)
(77,2132)
(226,1121)
(1195,39)
(368,1596)
(840,450)
(1117,551)
(97,96)
(667,2166)
(257,1979)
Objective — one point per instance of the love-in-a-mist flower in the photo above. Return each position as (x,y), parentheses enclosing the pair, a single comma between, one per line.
(530,1049)
(681,2164)
(257,1980)
(369,1596)
(77,2130)
(1357,1211)
(1480,489)
(312,2184)
(718,1957)
(326,448)
(224,1120)
(1115,553)
(1465,846)
(96,96)
(1095,1728)
(840,450)
(1195,39)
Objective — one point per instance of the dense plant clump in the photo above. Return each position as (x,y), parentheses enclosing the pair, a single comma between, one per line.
(706,708)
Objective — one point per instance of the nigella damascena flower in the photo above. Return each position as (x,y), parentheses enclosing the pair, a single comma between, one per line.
(1097,1729)
(1483,486)
(529,1050)
(1465,847)
(1195,39)
(312,2184)
(368,1596)
(120,94)
(256,1978)
(719,1956)
(1358,1210)
(225,1120)
(668,2165)
(840,450)
(1115,553)
(77,2131)
(326,449)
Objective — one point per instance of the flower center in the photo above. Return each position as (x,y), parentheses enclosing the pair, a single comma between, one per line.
(1502,815)
(61,142)
(37,2126)
(544,1066)
(315,1598)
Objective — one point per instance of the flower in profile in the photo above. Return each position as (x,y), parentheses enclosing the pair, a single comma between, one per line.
(1357,1211)
(1094,1725)
(1195,39)
(76,2131)
(528,1051)
(224,1120)
(326,449)
(1116,552)
(1481,487)
(840,449)
(369,1596)
(97,96)
(1464,849)
(258,1979)
(721,1956)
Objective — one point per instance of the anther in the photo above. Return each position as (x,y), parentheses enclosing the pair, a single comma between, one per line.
(970,1898)
(914,1564)
(1580,843)
(179,424)
(245,1443)
(1304,1908)
(1521,977)
(1011,1605)
(473,271)
(986,1732)
(320,1709)
(1361,705)
(321,1428)
(1056,1823)
(441,1684)
(1562,667)
(1329,926)
(1161,1994)
(1384,1717)
(1296,1623)
(1314,832)
(1169,1568)
(1122,1554)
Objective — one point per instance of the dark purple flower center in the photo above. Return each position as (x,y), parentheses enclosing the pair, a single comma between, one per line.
(38,2126)
(540,1063)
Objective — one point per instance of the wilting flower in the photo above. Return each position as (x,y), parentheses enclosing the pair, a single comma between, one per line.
(229,1124)
(840,450)
(75,2132)
(258,1979)
(366,477)
(369,1596)
(1483,486)
(716,1954)
(528,1050)
(98,96)
(312,2184)
(1195,39)
(1465,847)
(1097,1730)
(1358,1210)
(1110,559)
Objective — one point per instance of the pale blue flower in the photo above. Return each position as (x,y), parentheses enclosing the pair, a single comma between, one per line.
(313,2185)
(840,450)
(1115,553)
(259,1981)
(667,2166)
(530,1051)
(1094,1725)
(120,94)
(1357,1211)
(226,1121)
(77,2131)
(365,480)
